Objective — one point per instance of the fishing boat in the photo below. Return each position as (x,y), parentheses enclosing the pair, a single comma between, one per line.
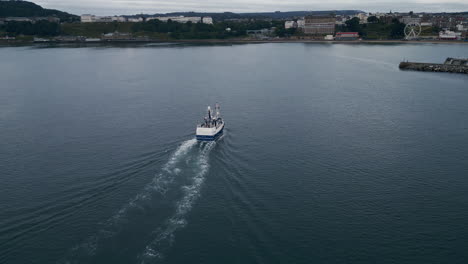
(212,127)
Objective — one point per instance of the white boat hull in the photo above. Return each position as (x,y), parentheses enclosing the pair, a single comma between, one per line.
(209,133)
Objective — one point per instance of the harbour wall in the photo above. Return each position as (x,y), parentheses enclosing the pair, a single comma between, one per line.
(433,67)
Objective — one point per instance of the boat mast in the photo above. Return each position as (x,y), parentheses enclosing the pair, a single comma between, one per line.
(209,113)
(218,115)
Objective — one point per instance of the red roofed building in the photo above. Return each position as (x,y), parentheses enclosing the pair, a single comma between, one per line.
(347,36)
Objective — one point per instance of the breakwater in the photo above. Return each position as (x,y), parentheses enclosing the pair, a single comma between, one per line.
(451,65)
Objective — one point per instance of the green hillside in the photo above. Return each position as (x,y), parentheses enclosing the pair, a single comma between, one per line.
(27,9)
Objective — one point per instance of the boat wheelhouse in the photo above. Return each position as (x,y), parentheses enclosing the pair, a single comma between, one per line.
(212,127)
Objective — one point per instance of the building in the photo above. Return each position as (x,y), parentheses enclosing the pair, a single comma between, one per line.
(347,36)
(183,19)
(378,14)
(261,33)
(18,19)
(237,20)
(40,40)
(410,20)
(105,19)
(118,19)
(88,18)
(94,19)
(207,20)
(462,27)
(300,23)
(69,39)
(29,19)
(7,38)
(319,25)
(117,36)
(92,39)
(388,19)
(446,21)
(362,18)
(135,19)
(450,35)
(290,24)
(180,19)
(340,20)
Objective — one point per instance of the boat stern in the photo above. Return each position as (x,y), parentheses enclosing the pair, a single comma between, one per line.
(209,133)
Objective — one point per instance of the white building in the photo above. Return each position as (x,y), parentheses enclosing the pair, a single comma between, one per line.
(461,27)
(207,20)
(93,19)
(92,39)
(88,18)
(183,19)
(449,35)
(135,19)
(119,19)
(301,23)
(290,24)
(362,18)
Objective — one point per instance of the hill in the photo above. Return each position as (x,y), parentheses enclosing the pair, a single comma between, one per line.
(13,8)
(262,15)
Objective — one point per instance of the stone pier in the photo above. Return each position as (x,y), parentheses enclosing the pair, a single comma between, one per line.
(451,65)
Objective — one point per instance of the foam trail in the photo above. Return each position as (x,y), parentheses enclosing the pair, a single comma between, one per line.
(165,235)
(163,179)
(160,184)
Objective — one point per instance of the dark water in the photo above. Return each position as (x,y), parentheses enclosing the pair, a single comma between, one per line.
(331,155)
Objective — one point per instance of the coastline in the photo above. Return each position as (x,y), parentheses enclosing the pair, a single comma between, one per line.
(235,41)
(320,41)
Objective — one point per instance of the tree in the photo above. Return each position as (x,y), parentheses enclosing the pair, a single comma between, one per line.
(41,28)
(353,24)
(373,19)
(397,30)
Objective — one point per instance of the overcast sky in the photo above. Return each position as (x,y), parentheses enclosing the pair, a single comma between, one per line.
(128,7)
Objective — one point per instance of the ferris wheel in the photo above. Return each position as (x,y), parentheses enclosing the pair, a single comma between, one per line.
(412,31)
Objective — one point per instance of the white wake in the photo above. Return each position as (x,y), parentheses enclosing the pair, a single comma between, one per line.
(160,184)
(162,180)
(165,235)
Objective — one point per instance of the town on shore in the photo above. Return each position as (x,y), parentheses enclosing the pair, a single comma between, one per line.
(22,21)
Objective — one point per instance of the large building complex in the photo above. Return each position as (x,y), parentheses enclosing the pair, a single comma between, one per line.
(92,18)
(182,19)
(319,25)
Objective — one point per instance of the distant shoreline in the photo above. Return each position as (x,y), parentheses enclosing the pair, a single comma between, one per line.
(320,41)
(238,41)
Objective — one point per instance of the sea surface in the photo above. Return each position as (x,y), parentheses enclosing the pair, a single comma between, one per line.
(331,154)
